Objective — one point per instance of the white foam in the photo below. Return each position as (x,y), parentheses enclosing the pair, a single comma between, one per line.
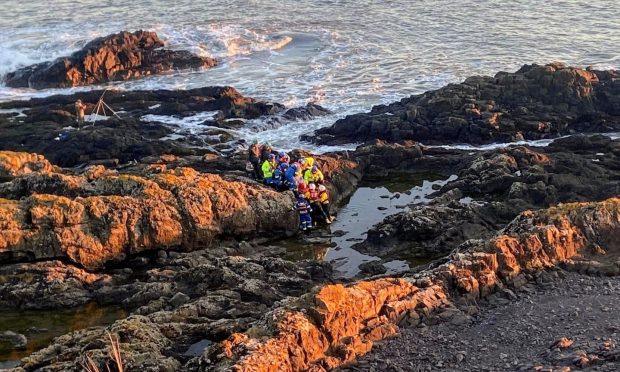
(286,136)
(194,124)
(94,118)
(182,122)
(533,143)
(230,40)
(19,111)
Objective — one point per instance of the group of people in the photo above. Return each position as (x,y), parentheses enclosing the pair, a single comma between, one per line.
(302,176)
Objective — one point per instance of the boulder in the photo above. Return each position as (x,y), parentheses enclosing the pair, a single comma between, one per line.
(121,56)
(430,231)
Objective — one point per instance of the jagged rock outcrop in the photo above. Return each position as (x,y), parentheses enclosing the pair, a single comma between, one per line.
(502,183)
(19,163)
(189,298)
(577,168)
(533,103)
(121,56)
(331,327)
(430,231)
(181,122)
(98,216)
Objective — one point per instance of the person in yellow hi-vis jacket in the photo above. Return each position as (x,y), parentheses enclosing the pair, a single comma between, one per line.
(314,175)
(268,168)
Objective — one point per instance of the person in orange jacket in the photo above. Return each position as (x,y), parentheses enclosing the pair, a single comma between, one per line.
(314,199)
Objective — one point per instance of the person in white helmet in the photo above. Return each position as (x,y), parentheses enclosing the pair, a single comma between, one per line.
(323,202)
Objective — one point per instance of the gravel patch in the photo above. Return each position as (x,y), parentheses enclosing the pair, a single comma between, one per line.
(566,321)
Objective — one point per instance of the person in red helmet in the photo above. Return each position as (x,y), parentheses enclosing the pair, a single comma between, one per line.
(302,189)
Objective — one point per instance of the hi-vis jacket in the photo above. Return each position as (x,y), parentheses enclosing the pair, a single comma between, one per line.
(268,168)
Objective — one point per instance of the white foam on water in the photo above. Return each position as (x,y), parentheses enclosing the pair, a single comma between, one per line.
(287,136)
(189,124)
(19,111)
(223,39)
(94,118)
(533,143)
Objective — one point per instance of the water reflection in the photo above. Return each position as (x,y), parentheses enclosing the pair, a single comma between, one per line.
(40,326)
(369,205)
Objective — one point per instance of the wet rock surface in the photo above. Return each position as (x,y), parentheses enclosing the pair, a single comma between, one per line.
(175,302)
(568,322)
(501,183)
(150,123)
(533,103)
(121,56)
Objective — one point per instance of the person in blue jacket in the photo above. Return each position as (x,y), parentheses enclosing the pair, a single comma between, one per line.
(279,177)
(291,177)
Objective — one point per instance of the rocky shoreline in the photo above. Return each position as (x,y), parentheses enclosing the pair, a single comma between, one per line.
(173,231)
(535,102)
(338,323)
(48,126)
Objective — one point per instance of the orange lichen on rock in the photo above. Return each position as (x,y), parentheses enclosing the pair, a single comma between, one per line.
(343,321)
(101,216)
(17,163)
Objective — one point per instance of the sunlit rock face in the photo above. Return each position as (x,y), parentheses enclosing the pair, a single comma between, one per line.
(338,322)
(100,216)
(121,56)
